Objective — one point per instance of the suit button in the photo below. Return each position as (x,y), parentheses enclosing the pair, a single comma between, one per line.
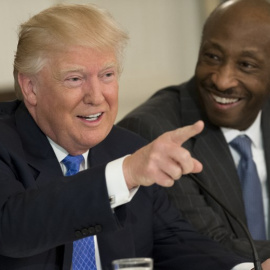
(98,228)
(91,230)
(78,234)
(85,232)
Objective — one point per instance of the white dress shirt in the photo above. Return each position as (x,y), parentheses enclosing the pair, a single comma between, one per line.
(117,189)
(116,184)
(254,132)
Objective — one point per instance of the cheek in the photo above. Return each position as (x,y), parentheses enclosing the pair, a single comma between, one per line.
(199,73)
(259,91)
(113,104)
(111,97)
(258,101)
(53,108)
(203,71)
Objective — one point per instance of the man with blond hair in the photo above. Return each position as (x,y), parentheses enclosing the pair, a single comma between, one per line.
(76,191)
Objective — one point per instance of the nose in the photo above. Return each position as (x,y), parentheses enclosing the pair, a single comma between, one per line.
(225,77)
(93,93)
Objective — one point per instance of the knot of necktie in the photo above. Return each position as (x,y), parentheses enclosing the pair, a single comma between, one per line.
(72,164)
(242,144)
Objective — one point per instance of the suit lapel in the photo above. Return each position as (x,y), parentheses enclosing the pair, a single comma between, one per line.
(40,158)
(217,171)
(37,149)
(44,166)
(265,124)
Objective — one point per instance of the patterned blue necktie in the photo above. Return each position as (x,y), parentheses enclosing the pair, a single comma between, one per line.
(251,187)
(83,257)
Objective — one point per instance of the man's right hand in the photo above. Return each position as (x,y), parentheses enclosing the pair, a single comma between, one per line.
(164,160)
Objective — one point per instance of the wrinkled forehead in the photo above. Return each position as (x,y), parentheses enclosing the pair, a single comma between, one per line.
(239,14)
(81,59)
(239,22)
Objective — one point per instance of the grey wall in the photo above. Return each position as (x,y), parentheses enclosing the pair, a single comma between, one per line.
(164,41)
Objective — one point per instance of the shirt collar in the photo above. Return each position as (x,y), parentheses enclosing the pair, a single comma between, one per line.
(61,153)
(253,132)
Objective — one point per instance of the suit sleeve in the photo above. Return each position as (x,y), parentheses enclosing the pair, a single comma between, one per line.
(211,220)
(40,212)
(178,243)
(204,214)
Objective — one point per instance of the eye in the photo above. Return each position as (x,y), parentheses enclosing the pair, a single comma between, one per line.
(73,81)
(247,65)
(212,57)
(108,76)
(250,66)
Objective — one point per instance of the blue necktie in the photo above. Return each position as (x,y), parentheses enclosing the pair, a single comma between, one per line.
(83,257)
(251,187)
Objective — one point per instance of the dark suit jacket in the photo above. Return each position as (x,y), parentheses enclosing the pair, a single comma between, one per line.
(178,106)
(43,212)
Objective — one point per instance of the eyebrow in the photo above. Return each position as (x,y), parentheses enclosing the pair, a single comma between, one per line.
(110,65)
(82,70)
(213,44)
(60,73)
(248,52)
(251,53)
(64,71)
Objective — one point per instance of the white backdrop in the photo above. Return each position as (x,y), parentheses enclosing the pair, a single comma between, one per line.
(163,47)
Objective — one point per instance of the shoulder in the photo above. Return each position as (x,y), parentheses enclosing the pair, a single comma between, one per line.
(10,139)
(7,118)
(127,136)
(121,141)
(14,119)
(160,113)
(160,100)
(164,99)
(9,107)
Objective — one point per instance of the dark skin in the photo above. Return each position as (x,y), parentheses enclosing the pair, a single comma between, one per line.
(233,68)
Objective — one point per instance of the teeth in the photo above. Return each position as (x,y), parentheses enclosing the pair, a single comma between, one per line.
(92,117)
(223,100)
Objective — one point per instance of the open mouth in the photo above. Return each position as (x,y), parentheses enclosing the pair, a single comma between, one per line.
(92,117)
(225,101)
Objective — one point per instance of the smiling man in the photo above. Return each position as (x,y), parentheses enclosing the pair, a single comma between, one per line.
(233,69)
(77,192)
(230,93)
(69,79)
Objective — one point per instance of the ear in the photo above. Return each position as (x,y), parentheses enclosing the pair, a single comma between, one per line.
(27,84)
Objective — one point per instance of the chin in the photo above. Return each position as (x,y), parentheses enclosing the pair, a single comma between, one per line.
(221,122)
(226,124)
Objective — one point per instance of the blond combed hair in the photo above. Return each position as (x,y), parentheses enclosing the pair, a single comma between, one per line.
(60,27)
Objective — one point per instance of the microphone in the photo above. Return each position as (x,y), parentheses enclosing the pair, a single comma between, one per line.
(256,260)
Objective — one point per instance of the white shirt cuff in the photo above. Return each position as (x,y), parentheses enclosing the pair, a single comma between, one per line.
(243,266)
(116,185)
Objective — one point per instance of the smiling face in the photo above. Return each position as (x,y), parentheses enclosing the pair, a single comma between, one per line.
(74,98)
(233,69)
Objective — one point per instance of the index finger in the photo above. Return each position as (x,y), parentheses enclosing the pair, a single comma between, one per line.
(180,135)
